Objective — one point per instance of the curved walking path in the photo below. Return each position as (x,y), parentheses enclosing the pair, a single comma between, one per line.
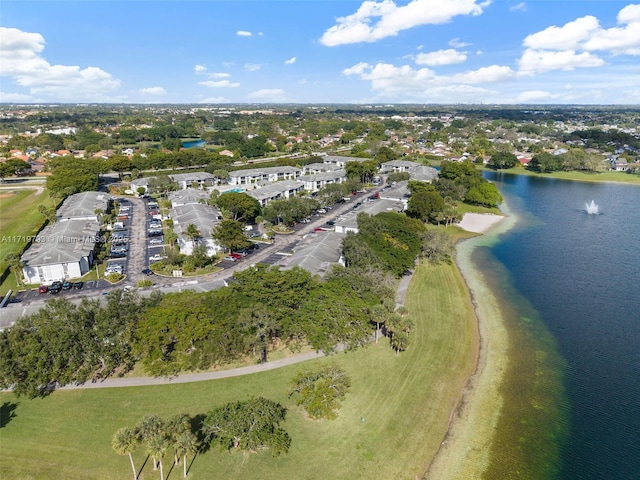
(195,377)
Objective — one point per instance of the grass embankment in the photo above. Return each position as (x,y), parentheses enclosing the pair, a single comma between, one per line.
(19,221)
(392,422)
(604,177)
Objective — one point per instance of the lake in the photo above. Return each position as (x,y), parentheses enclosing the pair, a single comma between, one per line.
(569,282)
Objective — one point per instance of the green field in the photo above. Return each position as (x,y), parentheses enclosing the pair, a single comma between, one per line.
(19,219)
(614,177)
(391,424)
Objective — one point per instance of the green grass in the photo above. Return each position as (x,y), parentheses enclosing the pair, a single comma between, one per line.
(614,177)
(392,421)
(19,219)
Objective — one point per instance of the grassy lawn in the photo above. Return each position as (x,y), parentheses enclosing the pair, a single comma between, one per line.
(616,177)
(19,219)
(391,424)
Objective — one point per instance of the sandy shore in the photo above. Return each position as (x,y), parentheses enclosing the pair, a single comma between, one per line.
(465,451)
(479,222)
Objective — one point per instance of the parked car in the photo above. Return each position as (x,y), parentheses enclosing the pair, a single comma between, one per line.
(235,256)
(43,289)
(67,285)
(156,241)
(78,285)
(147,271)
(114,268)
(155,258)
(155,232)
(255,235)
(53,289)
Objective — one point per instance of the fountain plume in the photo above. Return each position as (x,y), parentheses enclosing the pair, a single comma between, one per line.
(592,208)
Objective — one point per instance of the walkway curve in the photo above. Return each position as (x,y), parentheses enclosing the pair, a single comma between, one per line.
(195,377)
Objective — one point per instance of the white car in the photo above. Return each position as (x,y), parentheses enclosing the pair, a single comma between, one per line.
(156,241)
(156,258)
(113,269)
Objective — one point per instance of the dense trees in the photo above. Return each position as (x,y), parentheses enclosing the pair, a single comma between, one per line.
(68,343)
(466,176)
(389,241)
(71,175)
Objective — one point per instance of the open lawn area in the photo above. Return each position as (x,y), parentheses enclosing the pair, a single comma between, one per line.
(392,421)
(19,220)
(614,177)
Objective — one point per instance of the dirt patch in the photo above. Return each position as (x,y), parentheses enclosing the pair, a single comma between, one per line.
(7,195)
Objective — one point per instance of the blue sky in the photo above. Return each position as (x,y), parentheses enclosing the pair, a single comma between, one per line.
(341,51)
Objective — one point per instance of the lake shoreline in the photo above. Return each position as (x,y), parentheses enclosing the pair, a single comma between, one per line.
(465,450)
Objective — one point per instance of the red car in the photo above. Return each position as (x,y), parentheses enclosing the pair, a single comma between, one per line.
(43,289)
(235,256)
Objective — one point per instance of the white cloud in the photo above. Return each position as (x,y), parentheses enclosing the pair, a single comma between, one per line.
(219,75)
(491,74)
(440,57)
(153,91)
(200,68)
(243,33)
(219,84)
(539,61)
(567,37)
(376,20)
(20,59)
(290,61)
(268,95)
(619,40)
(535,96)
(518,7)
(215,100)
(252,67)
(457,43)
(586,34)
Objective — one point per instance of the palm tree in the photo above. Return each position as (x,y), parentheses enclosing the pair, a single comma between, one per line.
(157,448)
(379,316)
(193,233)
(124,442)
(150,426)
(186,444)
(15,265)
(175,427)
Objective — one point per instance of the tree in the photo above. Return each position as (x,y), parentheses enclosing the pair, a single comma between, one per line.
(250,425)
(320,392)
(437,246)
(15,264)
(230,235)
(175,427)
(240,205)
(484,194)
(399,326)
(124,442)
(501,160)
(186,444)
(157,447)
(379,316)
(425,202)
(261,327)
(193,233)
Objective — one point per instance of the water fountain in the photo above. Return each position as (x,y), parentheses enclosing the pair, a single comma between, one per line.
(592,208)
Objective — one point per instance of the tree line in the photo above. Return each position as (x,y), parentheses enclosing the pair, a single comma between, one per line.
(262,308)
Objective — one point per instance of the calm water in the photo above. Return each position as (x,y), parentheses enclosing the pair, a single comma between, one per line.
(579,276)
(194,144)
